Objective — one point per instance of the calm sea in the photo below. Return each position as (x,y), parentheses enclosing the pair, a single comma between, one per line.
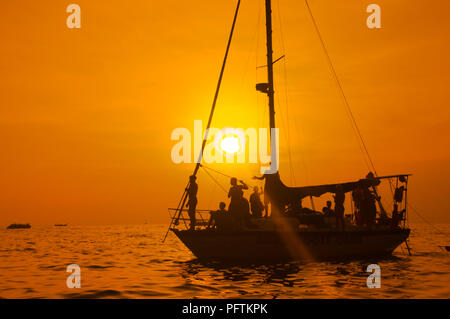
(131,262)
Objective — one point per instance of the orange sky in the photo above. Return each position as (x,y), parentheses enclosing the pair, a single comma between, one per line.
(86,115)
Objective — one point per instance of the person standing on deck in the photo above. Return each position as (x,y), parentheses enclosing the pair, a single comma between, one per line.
(235,194)
(358,199)
(266,197)
(371,209)
(339,199)
(192,201)
(255,203)
(242,215)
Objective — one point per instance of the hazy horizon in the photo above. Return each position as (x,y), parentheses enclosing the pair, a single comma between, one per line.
(87,114)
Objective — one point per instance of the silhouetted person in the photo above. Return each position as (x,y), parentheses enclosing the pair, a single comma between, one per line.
(255,203)
(358,199)
(266,197)
(371,209)
(235,194)
(339,199)
(215,217)
(368,208)
(192,201)
(327,211)
(396,217)
(242,213)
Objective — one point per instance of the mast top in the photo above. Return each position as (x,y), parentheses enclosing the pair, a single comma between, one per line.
(268,87)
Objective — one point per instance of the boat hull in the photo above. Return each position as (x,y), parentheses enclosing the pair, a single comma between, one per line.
(19,226)
(251,246)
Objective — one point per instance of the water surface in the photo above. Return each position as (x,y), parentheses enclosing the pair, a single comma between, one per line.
(131,262)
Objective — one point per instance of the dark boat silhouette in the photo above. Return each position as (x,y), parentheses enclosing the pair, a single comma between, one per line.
(19,226)
(284,238)
(253,246)
(60,225)
(296,233)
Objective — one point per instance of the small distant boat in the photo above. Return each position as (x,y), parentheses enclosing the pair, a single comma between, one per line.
(60,225)
(19,226)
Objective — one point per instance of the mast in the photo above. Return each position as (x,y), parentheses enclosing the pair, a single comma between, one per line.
(185,196)
(270,91)
(267,88)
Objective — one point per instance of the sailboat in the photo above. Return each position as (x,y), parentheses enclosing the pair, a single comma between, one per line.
(293,232)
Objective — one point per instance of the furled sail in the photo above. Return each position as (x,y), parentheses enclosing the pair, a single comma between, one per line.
(282,195)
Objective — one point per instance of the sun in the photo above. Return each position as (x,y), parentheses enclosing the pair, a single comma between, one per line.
(230,144)
(230,141)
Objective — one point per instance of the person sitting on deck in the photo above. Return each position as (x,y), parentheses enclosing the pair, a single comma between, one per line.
(304,215)
(192,201)
(217,216)
(256,204)
(327,210)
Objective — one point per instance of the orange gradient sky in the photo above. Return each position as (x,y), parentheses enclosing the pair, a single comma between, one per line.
(86,115)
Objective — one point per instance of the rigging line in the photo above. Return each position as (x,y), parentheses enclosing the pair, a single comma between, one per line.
(288,126)
(261,114)
(258,24)
(223,174)
(299,130)
(425,220)
(265,66)
(215,180)
(283,47)
(216,95)
(211,197)
(341,89)
(285,123)
(254,36)
(216,171)
(179,207)
(285,136)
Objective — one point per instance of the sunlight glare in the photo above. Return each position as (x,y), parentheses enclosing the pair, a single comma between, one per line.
(230,144)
